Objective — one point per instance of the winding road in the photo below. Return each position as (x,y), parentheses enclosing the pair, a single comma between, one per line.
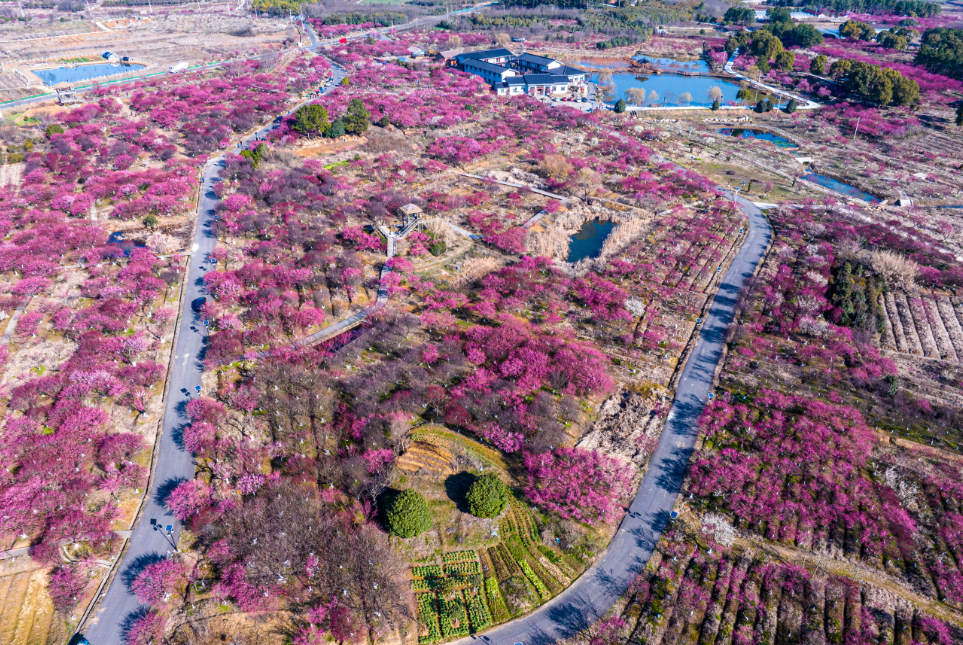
(155,535)
(595,591)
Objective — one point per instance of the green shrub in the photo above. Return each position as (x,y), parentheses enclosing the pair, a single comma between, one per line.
(15,157)
(438,248)
(53,128)
(487,496)
(408,514)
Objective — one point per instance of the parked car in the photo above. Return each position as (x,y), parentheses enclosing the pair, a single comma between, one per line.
(198,303)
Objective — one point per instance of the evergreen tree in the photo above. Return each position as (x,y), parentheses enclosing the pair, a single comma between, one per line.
(337,129)
(959,116)
(311,120)
(791,106)
(818,65)
(619,106)
(408,514)
(716,105)
(357,120)
(487,496)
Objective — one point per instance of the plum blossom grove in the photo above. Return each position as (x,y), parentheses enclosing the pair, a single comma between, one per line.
(806,467)
(493,353)
(513,359)
(86,365)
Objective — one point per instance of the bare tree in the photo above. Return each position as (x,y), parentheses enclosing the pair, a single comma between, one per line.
(556,167)
(635,95)
(898,271)
(285,536)
(588,181)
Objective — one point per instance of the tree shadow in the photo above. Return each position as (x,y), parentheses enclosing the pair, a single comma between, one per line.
(128,625)
(456,486)
(672,470)
(164,490)
(383,501)
(177,432)
(138,564)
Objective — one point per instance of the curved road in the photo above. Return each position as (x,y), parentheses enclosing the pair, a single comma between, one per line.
(589,597)
(150,540)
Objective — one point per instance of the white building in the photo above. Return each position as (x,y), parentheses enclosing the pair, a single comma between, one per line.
(511,75)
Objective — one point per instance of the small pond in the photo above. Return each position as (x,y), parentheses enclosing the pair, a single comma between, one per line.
(840,187)
(117,239)
(669,87)
(587,243)
(751,133)
(51,77)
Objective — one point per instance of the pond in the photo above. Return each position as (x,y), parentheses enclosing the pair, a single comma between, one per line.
(587,243)
(751,133)
(840,187)
(117,239)
(669,87)
(672,64)
(51,77)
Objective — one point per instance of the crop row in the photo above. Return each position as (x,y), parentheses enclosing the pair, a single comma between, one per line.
(504,563)
(495,600)
(427,571)
(462,568)
(421,585)
(459,556)
(535,580)
(428,616)
(452,616)
(477,611)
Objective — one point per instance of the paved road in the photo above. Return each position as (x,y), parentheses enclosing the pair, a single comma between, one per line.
(150,540)
(602,585)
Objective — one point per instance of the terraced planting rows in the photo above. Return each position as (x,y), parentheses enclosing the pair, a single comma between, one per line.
(924,325)
(690,596)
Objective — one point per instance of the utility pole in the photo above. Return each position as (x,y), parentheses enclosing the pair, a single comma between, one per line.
(857,129)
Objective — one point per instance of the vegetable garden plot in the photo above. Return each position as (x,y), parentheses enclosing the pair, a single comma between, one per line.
(450,600)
